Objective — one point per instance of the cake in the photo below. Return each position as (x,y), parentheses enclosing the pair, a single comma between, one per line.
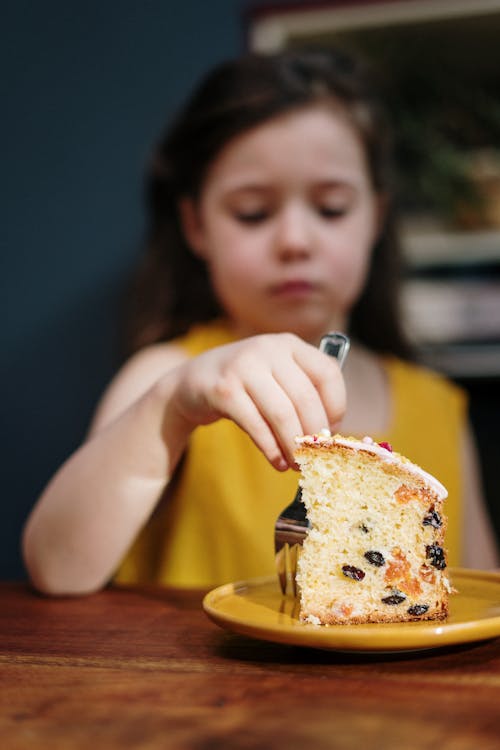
(374,551)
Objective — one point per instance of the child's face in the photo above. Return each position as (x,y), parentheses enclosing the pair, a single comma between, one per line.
(286,223)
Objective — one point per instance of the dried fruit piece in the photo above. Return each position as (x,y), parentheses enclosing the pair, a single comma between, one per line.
(418,609)
(375,558)
(395,598)
(435,554)
(432,519)
(351,572)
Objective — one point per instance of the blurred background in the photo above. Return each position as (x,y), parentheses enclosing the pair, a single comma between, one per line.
(87,88)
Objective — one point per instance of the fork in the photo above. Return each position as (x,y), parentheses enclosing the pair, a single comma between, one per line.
(291,525)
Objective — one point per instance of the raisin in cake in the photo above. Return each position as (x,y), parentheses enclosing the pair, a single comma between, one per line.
(374,552)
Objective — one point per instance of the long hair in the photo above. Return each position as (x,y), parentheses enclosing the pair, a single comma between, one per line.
(172,289)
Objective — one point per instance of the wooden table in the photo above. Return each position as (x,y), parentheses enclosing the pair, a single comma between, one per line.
(146,668)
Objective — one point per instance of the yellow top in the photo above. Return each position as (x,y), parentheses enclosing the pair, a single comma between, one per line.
(217,524)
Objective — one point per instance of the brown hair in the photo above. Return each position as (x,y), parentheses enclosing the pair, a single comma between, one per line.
(172,289)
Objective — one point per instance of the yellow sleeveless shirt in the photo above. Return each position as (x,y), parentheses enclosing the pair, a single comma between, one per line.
(217,524)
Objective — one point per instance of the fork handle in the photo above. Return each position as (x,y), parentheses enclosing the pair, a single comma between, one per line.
(335,344)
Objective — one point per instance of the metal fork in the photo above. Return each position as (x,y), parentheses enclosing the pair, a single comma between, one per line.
(291,525)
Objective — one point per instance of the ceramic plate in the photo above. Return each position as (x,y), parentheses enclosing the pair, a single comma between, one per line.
(257,608)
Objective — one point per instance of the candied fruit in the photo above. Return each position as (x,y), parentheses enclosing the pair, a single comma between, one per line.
(398,568)
(410,586)
(405,494)
(427,574)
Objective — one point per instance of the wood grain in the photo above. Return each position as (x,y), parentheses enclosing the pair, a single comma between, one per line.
(145,668)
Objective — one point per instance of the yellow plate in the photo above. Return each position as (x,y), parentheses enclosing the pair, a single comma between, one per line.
(256,608)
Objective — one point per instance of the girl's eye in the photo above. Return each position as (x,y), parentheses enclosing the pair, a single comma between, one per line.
(251,217)
(333,212)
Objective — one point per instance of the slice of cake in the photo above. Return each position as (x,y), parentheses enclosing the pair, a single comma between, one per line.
(375,549)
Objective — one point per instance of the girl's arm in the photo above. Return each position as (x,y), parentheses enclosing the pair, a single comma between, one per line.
(480,549)
(99,499)
(274,386)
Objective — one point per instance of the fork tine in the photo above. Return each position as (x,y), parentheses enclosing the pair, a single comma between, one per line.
(288,570)
(293,552)
(290,606)
(289,534)
(286,566)
(281,567)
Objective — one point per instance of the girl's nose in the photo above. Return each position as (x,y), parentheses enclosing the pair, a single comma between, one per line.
(292,235)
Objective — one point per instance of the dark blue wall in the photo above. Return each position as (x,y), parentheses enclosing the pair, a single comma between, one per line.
(88,87)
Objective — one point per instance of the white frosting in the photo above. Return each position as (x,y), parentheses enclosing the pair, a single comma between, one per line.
(324,437)
(313,620)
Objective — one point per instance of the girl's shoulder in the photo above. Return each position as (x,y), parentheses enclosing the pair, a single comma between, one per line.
(148,365)
(136,376)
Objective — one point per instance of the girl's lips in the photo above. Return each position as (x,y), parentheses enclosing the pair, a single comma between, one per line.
(294,288)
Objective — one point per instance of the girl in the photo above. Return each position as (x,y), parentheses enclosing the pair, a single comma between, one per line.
(271,223)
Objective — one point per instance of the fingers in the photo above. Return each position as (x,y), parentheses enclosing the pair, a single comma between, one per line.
(304,397)
(214,385)
(276,406)
(267,436)
(274,387)
(323,373)
(296,389)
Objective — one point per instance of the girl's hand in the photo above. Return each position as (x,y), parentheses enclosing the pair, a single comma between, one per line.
(274,386)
